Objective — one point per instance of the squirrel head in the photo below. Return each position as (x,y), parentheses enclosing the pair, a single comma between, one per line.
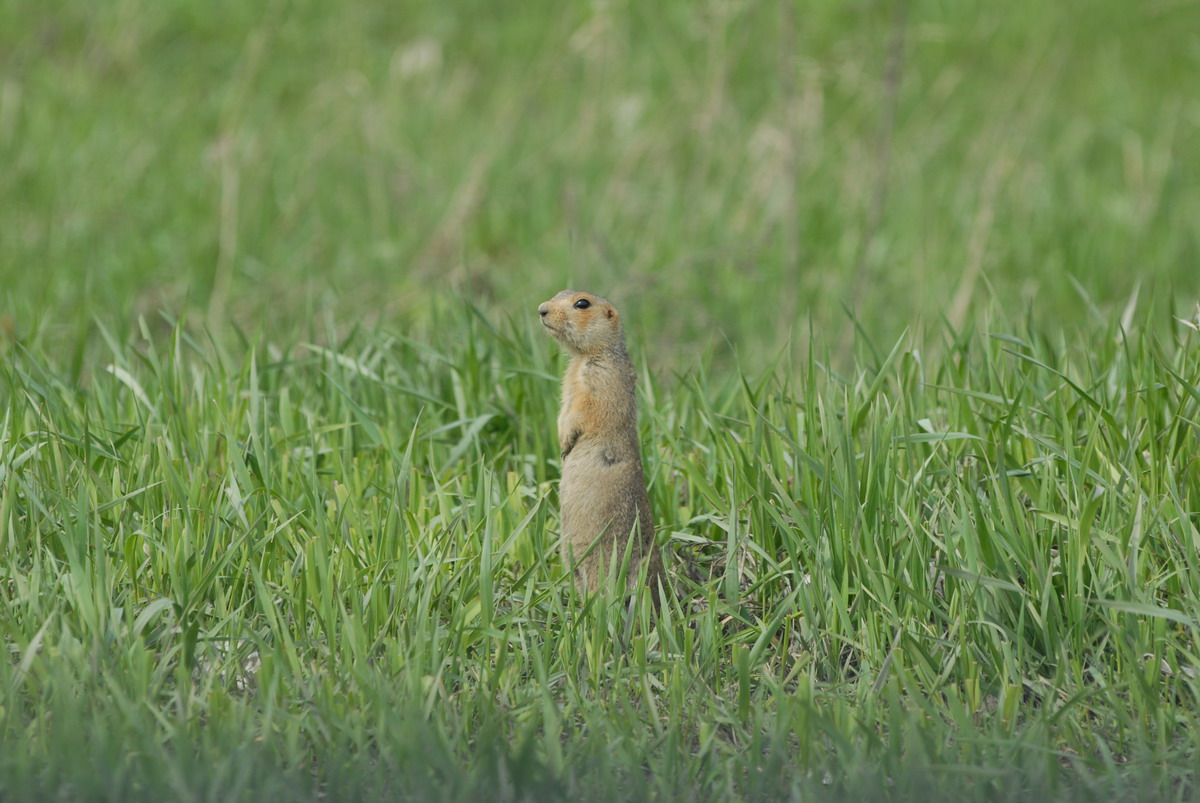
(584,323)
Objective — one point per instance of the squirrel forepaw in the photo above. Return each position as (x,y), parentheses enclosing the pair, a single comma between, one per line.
(569,442)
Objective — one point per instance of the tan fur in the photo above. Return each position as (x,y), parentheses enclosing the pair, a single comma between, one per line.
(603,490)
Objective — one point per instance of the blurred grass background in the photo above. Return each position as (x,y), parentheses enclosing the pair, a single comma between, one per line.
(724,170)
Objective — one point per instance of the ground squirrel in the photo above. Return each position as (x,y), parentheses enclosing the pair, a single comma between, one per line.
(603,490)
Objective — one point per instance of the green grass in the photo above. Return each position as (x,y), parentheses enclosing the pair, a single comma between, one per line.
(920,399)
(264,164)
(334,563)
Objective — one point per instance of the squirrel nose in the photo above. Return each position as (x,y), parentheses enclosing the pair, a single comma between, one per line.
(543,311)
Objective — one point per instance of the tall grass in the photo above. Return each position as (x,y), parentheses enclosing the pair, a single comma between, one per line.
(332,571)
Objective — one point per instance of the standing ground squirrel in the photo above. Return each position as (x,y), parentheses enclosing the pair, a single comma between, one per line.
(603,490)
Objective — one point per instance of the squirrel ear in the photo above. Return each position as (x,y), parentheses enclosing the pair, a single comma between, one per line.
(610,312)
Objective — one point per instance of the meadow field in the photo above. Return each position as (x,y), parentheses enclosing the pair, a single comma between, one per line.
(914,292)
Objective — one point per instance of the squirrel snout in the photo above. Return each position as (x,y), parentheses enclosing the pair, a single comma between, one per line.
(543,310)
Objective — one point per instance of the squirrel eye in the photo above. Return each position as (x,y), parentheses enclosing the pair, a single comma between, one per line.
(582,303)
